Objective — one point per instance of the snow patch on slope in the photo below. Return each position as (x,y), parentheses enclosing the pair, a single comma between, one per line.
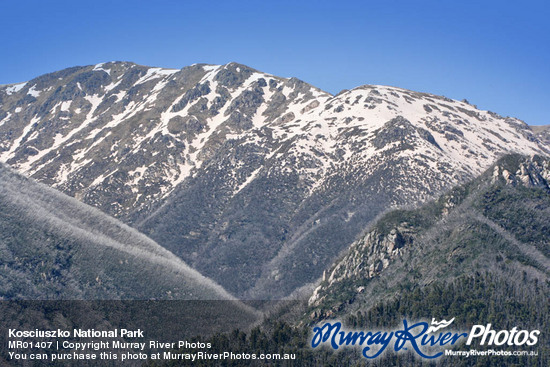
(15,88)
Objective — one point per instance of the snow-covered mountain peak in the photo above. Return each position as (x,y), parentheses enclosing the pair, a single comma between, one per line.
(136,140)
(108,114)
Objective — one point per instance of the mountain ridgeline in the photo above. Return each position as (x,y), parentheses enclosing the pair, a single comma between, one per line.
(55,247)
(497,225)
(256,181)
(478,254)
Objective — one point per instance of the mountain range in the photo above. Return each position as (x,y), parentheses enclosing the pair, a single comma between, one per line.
(256,181)
(496,224)
(478,254)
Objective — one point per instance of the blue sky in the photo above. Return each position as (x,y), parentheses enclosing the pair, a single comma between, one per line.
(494,53)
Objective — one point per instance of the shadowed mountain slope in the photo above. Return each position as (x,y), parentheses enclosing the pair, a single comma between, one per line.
(55,247)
